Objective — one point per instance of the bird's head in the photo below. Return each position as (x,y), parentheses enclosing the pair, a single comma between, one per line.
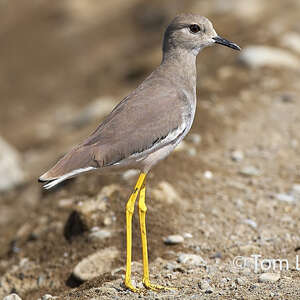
(192,33)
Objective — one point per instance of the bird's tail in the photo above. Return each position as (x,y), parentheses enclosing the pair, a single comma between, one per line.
(77,161)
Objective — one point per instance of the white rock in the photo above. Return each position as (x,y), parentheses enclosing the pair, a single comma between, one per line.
(11,173)
(191,259)
(237,155)
(291,40)
(165,192)
(95,264)
(129,174)
(205,287)
(285,197)
(208,175)
(259,56)
(173,239)
(296,188)
(99,235)
(194,138)
(187,235)
(250,171)
(269,277)
(250,223)
(12,297)
(48,297)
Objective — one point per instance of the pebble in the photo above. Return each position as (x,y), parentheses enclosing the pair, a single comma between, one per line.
(194,138)
(12,297)
(208,175)
(296,188)
(251,223)
(260,56)
(11,172)
(285,198)
(48,297)
(237,155)
(173,240)
(165,192)
(250,171)
(269,277)
(240,281)
(205,286)
(129,174)
(191,259)
(291,40)
(187,235)
(95,264)
(99,235)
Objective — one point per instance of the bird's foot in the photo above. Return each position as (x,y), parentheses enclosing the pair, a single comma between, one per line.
(155,287)
(131,287)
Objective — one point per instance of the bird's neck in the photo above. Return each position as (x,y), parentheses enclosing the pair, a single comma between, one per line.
(180,64)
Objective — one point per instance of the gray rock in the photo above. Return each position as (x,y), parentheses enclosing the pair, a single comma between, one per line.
(260,56)
(269,277)
(237,155)
(250,171)
(285,198)
(48,297)
(12,297)
(95,264)
(240,281)
(11,173)
(191,259)
(205,287)
(173,239)
(296,188)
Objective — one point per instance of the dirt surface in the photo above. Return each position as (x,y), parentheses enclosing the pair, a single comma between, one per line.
(235,182)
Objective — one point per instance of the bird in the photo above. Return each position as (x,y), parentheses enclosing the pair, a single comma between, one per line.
(146,125)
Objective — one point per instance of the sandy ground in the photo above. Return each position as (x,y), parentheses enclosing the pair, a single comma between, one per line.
(232,190)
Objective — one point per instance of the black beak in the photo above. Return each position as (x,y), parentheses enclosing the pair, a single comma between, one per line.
(227,43)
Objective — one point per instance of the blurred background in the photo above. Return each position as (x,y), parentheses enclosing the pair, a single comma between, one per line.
(233,182)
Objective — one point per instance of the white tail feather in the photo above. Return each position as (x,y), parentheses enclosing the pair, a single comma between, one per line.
(60,179)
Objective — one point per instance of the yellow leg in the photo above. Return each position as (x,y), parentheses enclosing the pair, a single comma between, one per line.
(142,215)
(129,213)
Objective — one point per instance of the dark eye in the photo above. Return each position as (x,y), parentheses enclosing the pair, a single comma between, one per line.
(194,28)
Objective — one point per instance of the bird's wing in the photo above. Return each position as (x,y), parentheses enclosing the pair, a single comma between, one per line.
(139,122)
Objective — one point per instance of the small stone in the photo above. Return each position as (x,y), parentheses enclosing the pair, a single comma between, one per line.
(11,172)
(165,192)
(208,175)
(194,138)
(296,188)
(99,235)
(129,174)
(291,40)
(250,171)
(12,297)
(237,155)
(260,56)
(285,198)
(240,281)
(48,297)
(250,223)
(191,259)
(187,235)
(205,287)
(95,264)
(174,240)
(269,277)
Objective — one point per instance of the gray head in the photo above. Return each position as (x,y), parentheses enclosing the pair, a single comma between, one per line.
(192,32)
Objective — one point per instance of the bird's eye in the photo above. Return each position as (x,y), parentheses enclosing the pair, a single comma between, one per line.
(194,28)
